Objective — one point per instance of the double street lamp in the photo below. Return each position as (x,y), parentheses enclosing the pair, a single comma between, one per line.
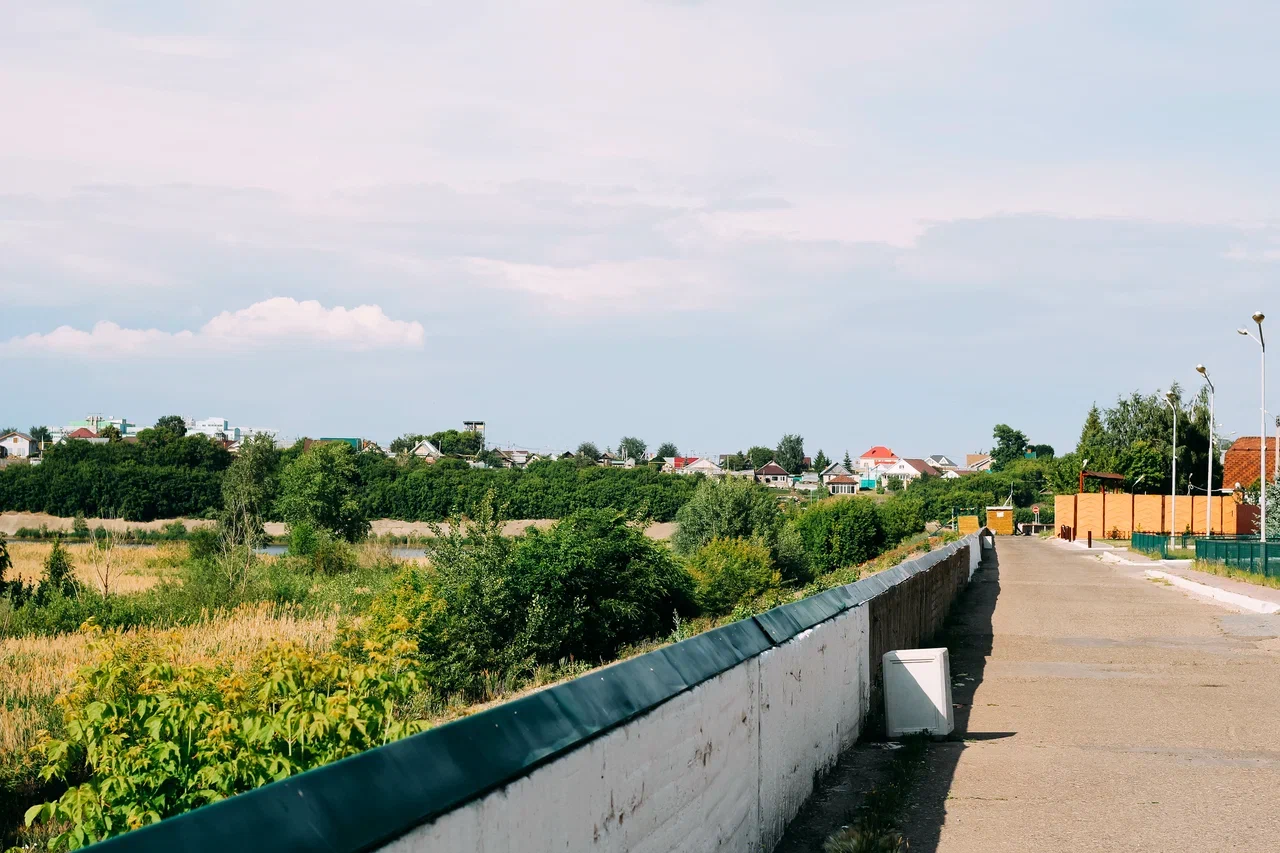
(1258,317)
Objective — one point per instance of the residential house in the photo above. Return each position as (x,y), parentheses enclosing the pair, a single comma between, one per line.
(843,484)
(908,470)
(426,451)
(835,469)
(773,474)
(941,462)
(977,461)
(18,445)
(745,473)
(809,481)
(674,464)
(1240,464)
(954,473)
(516,458)
(876,456)
(703,465)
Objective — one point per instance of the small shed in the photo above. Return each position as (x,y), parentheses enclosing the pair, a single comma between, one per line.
(1000,519)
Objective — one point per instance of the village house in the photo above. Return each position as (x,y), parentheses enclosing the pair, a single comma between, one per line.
(977,461)
(907,470)
(843,484)
(875,457)
(941,462)
(426,451)
(18,445)
(835,469)
(773,474)
(1240,464)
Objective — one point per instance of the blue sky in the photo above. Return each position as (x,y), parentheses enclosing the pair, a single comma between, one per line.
(707,222)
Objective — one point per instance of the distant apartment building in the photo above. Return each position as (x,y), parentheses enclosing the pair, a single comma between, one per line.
(221,428)
(94,424)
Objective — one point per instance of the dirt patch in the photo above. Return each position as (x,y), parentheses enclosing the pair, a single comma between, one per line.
(11,521)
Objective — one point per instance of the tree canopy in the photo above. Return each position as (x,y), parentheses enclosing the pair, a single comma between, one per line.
(632,448)
(790,453)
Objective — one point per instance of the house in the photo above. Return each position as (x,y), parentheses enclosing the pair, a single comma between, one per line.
(941,462)
(703,465)
(1240,464)
(676,464)
(517,458)
(878,455)
(908,470)
(745,473)
(18,445)
(773,474)
(977,461)
(82,433)
(843,484)
(954,473)
(835,469)
(426,451)
(807,482)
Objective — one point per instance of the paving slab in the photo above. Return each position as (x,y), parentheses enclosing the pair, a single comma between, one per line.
(1102,711)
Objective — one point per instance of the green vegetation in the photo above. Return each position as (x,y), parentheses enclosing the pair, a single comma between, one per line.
(730,572)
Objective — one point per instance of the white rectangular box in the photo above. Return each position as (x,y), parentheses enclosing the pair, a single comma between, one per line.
(917,692)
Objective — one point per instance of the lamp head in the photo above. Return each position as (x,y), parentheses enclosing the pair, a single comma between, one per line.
(1200,369)
(1258,317)
(1242,332)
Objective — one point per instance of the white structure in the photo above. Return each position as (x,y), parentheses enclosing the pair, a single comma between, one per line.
(908,470)
(426,450)
(835,469)
(18,445)
(214,428)
(843,485)
(941,462)
(917,692)
(702,465)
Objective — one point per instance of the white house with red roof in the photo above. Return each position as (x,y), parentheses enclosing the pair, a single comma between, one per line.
(877,456)
(908,470)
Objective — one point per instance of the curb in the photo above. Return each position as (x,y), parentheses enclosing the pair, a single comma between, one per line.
(1233,599)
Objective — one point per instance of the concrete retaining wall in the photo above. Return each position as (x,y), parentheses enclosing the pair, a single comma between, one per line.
(713,743)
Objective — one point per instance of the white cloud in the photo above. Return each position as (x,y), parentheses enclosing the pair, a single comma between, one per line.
(275,322)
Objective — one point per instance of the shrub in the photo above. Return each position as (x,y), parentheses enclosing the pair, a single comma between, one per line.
(491,606)
(79,527)
(202,544)
(331,555)
(730,572)
(733,508)
(158,739)
(843,531)
(59,573)
(302,538)
(899,518)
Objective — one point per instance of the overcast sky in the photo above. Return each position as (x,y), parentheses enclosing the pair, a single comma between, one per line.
(708,222)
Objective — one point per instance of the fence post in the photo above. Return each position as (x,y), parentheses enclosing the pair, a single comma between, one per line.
(1090,538)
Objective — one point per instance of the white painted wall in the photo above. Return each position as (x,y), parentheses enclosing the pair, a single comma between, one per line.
(725,766)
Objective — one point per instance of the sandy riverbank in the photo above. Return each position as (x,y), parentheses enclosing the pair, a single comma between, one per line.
(11,521)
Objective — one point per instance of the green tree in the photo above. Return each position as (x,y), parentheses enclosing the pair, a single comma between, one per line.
(893,484)
(405,443)
(790,453)
(848,463)
(820,462)
(6,562)
(588,451)
(249,488)
(1011,445)
(40,434)
(667,450)
(1042,451)
(734,508)
(110,432)
(172,424)
(632,448)
(1142,462)
(59,573)
(320,488)
(760,456)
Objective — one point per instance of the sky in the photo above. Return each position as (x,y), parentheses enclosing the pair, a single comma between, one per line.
(705,222)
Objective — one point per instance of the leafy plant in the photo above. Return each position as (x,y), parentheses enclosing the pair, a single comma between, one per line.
(729,572)
(158,739)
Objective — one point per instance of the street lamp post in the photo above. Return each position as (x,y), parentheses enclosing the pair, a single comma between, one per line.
(1213,449)
(1173,488)
(1258,317)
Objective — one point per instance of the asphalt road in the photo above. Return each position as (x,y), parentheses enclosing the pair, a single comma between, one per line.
(1102,711)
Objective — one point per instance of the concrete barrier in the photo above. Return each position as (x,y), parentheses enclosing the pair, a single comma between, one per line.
(711,743)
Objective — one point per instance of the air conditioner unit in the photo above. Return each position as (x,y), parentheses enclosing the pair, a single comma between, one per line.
(917,692)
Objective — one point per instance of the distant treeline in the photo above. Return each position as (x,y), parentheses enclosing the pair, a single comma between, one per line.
(163,475)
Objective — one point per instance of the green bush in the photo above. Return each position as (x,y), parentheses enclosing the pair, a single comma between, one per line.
(158,739)
(730,572)
(899,519)
(59,573)
(331,555)
(842,531)
(495,607)
(734,508)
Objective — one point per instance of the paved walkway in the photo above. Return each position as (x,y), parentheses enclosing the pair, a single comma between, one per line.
(1103,711)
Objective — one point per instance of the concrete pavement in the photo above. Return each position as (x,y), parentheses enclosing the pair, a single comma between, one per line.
(1102,711)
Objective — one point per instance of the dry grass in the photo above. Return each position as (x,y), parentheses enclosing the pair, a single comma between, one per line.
(35,670)
(135,568)
(1225,571)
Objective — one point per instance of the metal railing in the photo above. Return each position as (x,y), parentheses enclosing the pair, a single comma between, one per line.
(1241,552)
(1158,543)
